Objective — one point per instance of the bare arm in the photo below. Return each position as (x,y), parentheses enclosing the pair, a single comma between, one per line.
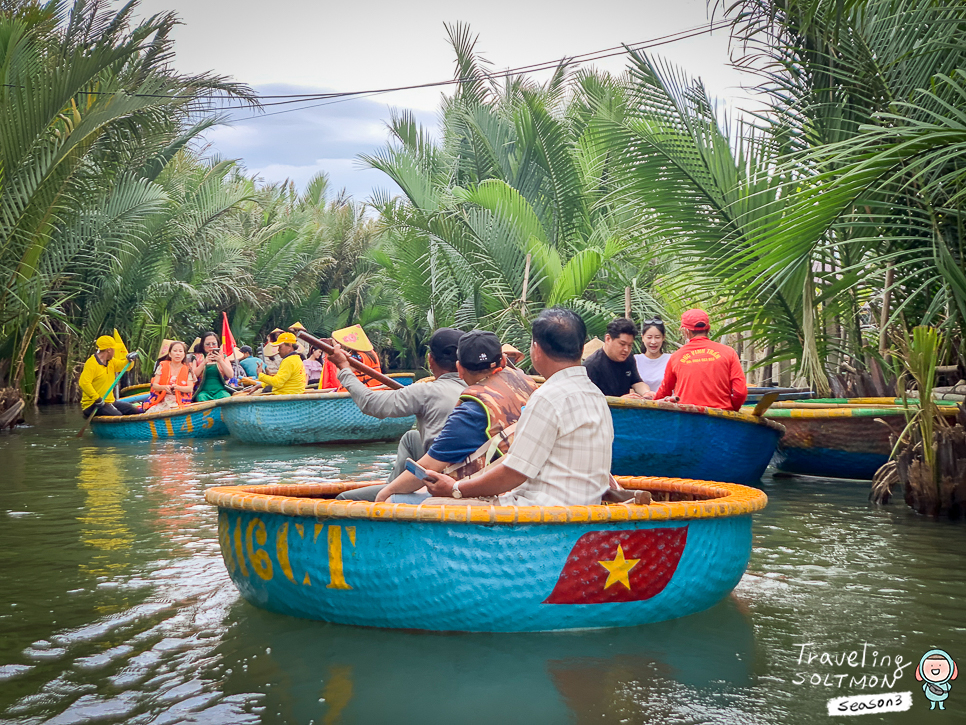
(493,481)
(407,482)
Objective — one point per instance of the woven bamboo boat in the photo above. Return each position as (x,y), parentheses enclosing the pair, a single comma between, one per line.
(198,420)
(288,420)
(295,550)
(840,440)
(688,441)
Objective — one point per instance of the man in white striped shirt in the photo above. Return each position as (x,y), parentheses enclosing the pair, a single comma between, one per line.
(561,453)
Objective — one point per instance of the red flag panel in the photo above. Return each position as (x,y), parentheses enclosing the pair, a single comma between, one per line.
(227,339)
(619,566)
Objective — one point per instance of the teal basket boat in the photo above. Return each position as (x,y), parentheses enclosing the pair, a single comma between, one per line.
(198,420)
(654,438)
(456,567)
(288,420)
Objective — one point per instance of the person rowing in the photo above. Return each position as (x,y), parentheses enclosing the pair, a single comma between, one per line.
(290,378)
(99,374)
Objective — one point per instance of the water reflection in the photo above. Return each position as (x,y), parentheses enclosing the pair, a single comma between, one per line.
(101,476)
(330,673)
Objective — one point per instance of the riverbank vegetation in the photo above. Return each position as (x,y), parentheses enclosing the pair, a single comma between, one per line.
(810,230)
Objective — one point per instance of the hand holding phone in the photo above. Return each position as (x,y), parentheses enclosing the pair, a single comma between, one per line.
(418,471)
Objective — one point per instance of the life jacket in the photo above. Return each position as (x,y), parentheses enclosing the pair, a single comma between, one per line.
(330,372)
(502,396)
(164,373)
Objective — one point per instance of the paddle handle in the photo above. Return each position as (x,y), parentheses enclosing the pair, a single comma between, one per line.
(361,367)
(109,391)
(765,403)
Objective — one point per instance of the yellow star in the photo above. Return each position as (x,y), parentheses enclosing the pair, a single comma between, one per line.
(619,569)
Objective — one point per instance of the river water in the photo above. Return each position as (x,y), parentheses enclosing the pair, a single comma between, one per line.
(115,606)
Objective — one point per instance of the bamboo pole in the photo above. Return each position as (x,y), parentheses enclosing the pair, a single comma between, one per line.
(361,367)
(884,314)
(627,303)
(526,282)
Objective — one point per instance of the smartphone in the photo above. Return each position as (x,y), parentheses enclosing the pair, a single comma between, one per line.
(418,471)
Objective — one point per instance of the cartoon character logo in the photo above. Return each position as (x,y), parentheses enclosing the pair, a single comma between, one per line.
(936,669)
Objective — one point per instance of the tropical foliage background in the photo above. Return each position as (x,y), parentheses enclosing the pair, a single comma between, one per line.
(810,230)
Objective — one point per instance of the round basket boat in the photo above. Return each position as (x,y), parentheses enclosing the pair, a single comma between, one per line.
(688,441)
(294,550)
(198,420)
(838,441)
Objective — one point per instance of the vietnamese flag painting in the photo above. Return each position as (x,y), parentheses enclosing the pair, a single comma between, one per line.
(619,566)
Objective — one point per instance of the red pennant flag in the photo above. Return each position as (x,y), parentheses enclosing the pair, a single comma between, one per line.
(619,566)
(227,339)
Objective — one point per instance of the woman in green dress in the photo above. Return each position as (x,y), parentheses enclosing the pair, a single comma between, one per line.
(212,369)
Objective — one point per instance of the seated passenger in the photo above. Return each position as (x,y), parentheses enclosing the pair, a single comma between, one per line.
(99,373)
(212,369)
(313,367)
(173,383)
(482,424)
(290,378)
(703,372)
(354,339)
(612,368)
(561,453)
(249,364)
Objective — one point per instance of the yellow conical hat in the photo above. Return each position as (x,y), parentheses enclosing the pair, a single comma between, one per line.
(591,347)
(353,338)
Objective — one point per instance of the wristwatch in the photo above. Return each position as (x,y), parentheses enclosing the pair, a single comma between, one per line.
(456,490)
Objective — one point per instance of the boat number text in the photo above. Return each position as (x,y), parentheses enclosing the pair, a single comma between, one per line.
(166,429)
(246,549)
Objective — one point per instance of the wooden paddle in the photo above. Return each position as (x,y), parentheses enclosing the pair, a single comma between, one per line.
(361,367)
(765,403)
(109,391)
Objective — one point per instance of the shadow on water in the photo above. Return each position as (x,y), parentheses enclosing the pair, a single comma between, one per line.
(115,607)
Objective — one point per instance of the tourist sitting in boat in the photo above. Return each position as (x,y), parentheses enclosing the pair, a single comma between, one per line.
(173,383)
(290,378)
(355,340)
(561,453)
(703,372)
(313,367)
(212,369)
(652,362)
(249,364)
(612,368)
(99,373)
(431,403)
(487,410)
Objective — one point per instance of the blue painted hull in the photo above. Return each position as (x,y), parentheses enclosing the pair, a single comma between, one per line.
(309,418)
(657,441)
(462,576)
(202,420)
(829,462)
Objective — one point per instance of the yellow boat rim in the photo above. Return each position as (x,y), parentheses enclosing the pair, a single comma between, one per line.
(687,499)
(695,409)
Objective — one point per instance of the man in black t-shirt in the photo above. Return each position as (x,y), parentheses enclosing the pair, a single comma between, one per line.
(612,368)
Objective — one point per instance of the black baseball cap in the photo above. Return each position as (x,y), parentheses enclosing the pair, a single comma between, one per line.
(443,345)
(246,349)
(479,350)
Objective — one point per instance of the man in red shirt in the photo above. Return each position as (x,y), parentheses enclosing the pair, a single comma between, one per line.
(703,372)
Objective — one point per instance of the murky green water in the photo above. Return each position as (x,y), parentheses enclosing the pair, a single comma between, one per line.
(115,606)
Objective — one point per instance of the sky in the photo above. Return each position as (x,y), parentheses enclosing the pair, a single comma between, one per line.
(301,46)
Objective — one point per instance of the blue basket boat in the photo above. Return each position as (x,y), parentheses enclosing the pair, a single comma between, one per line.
(688,441)
(309,418)
(198,420)
(296,551)
(847,438)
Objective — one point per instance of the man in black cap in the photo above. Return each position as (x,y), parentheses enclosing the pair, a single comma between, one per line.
(431,403)
(487,410)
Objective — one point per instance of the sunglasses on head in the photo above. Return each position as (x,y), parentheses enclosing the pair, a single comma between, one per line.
(655,321)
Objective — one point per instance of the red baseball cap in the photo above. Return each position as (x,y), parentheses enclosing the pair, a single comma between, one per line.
(696,321)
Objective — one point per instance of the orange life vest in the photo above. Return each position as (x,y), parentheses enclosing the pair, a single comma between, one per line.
(164,378)
(502,396)
(330,372)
